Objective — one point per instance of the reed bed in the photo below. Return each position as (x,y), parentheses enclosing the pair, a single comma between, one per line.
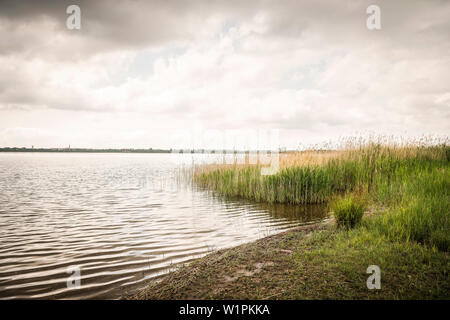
(412,178)
(310,178)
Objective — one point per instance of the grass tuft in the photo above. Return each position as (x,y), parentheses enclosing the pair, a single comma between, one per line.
(348,210)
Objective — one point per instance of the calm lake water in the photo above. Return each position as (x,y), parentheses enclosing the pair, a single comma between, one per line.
(122,219)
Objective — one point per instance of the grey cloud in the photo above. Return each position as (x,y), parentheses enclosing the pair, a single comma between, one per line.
(110,25)
(412,30)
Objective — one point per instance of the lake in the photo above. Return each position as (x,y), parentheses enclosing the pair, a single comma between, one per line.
(121,219)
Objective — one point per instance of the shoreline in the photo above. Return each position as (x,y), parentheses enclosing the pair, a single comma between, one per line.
(211,257)
(306,262)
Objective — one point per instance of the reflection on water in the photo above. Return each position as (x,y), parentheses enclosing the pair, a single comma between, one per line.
(120,218)
(284,212)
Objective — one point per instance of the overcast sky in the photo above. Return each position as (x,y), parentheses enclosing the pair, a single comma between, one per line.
(165,73)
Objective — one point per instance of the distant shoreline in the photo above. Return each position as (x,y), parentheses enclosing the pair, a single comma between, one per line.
(150,150)
(84,150)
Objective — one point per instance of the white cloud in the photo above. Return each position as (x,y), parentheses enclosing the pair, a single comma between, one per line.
(312,70)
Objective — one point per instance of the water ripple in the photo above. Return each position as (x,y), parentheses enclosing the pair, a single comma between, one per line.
(123,219)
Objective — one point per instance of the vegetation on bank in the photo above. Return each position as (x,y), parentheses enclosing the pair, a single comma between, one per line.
(405,232)
(348,210)
(412,181)
(312,262)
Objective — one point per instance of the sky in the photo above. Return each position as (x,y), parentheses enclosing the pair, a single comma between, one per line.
(211,74)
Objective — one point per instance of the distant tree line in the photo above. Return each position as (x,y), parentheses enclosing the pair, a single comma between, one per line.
(23,149)
(130,150)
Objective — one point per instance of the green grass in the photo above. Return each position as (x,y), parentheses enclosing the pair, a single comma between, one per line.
(413,182)
(307,264)
(367,167)
(348,210)
(421,212)
(333,265)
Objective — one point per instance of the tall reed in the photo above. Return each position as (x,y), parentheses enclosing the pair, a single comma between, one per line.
(413,179)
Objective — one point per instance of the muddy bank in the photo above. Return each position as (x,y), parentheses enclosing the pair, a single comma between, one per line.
(309,262)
